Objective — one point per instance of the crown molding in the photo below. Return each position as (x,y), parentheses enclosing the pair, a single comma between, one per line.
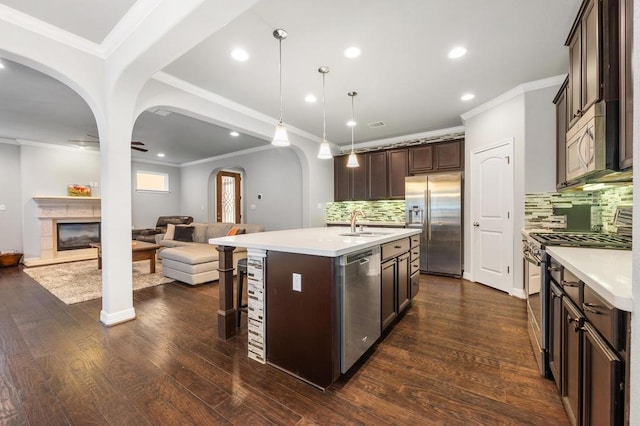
(47,30)
(229,155)
(516,91)
(454,133)
(55,146)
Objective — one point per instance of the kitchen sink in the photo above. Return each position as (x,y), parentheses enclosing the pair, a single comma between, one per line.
(364,234)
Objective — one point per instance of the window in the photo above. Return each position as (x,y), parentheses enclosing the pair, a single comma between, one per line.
(152,181)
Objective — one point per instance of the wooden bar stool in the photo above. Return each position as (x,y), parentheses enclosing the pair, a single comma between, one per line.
(242,272)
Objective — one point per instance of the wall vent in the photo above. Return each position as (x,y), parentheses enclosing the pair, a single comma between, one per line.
(377,124)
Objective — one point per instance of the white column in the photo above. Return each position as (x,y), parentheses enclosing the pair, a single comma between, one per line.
(115,152)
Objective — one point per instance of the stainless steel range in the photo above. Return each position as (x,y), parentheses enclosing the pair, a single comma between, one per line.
(537,283)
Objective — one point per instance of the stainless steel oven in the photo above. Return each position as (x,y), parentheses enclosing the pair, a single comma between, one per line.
(536,290)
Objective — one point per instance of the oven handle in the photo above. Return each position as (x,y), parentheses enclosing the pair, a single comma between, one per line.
(531,259)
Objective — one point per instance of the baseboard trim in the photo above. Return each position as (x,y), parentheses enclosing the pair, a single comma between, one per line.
(117,317)
(467,276)
(518,292)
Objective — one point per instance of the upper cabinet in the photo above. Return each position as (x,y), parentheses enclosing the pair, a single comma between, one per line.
(562,124)
(593,57)
(381,174)
(436,157)
(626,84)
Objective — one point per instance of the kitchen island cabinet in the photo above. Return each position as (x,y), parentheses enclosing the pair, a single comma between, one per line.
(307,279)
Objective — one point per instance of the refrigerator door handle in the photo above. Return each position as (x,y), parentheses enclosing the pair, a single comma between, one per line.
(429,214)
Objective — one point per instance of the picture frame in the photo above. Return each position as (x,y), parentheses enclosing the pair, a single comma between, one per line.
(75,190)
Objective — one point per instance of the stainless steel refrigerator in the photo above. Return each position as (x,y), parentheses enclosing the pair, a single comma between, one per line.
(434,204)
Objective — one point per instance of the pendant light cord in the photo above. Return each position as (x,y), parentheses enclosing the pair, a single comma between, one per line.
(353,122)
(324,116)
(280,71)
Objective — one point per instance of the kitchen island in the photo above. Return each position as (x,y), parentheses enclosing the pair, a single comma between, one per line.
(319,297)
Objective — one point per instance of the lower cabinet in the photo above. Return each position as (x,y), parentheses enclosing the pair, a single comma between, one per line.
(397,285)
(588,368)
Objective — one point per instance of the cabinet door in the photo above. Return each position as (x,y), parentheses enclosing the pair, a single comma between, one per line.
(562,126)
(572,322)
(359,180)
(388,282)
(403,282)
(626,84)
(576,160)
(555,336)
(376,175)
(590,55)
(448,155)
(341,179)
(398,169)
(575,79)
(421,159)
(602,381)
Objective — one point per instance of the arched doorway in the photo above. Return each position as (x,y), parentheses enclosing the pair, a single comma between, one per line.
(228,197)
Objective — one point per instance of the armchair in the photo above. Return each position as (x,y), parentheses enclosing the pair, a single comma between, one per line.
(148,234)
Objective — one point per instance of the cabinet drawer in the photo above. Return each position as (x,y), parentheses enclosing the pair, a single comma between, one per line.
(415,266)
(572,286)
(395,248)
(415,253)
(604,317)
(555,270)
(415,240)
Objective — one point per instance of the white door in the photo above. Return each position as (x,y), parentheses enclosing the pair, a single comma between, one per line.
(491,215)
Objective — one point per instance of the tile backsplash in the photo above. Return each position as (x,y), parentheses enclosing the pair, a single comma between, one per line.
(538,207)
(391,211)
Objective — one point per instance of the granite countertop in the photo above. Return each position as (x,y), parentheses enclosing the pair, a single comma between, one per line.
(606,271)
(326,241)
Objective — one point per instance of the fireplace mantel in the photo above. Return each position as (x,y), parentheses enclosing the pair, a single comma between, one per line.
(54,209)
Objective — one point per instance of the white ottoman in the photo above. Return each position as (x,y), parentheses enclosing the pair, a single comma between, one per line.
(191,264)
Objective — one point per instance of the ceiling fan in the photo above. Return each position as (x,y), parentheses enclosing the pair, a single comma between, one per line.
(134,144)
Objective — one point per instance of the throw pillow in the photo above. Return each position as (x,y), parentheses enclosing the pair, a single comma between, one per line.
(184,233)
(232,231)
(171,229)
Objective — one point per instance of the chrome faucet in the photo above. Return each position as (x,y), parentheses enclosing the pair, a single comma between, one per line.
(354,217)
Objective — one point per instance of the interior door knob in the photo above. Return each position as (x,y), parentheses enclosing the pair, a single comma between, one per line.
(476,224)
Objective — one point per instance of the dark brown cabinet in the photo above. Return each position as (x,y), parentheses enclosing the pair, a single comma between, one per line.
(421,159)
(388,281)
(587,350)
(398,161)
(377,177)
(562,125)
(349,182)
(395,279)
(626,84)
(436,157)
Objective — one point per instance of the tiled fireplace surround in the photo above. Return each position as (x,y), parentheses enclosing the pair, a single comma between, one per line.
(54,209)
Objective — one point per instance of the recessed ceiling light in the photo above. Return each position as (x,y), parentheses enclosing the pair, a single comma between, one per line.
(160,154)
(234,134)
(239,55)
(1,65)
(352,52)
(310,98)
(457,52)
(467,96)
(351,123)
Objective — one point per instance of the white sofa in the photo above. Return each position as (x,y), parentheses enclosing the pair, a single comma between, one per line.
(196,261)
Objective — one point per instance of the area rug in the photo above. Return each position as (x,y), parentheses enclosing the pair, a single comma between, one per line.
(76,282)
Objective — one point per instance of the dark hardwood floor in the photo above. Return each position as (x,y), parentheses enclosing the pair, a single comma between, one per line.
(460,355)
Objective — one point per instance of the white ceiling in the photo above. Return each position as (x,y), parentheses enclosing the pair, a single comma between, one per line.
(403,76)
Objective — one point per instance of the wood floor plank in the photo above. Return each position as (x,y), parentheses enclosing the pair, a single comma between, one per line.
(459,355)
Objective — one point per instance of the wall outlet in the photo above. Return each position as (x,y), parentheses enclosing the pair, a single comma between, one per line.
(319,205)
(297,282)
(252,207)
(3,207)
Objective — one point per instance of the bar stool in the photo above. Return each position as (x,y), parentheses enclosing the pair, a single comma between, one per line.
(242,272)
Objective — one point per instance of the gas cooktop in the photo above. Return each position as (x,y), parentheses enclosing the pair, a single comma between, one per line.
(586,239)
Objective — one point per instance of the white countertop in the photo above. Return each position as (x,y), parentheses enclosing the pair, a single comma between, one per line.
(325,241)
(608,272)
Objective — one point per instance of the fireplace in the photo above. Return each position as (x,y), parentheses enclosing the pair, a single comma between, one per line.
(77,235)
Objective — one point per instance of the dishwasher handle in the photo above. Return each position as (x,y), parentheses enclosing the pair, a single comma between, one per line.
(361,257)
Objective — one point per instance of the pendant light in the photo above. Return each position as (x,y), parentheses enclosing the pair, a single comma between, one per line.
(353,160)
(280,137)
(325,150)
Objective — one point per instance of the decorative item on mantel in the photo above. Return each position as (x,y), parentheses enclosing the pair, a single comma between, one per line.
(75,190)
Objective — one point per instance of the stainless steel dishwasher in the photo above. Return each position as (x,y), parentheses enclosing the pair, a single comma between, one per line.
(360,304)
